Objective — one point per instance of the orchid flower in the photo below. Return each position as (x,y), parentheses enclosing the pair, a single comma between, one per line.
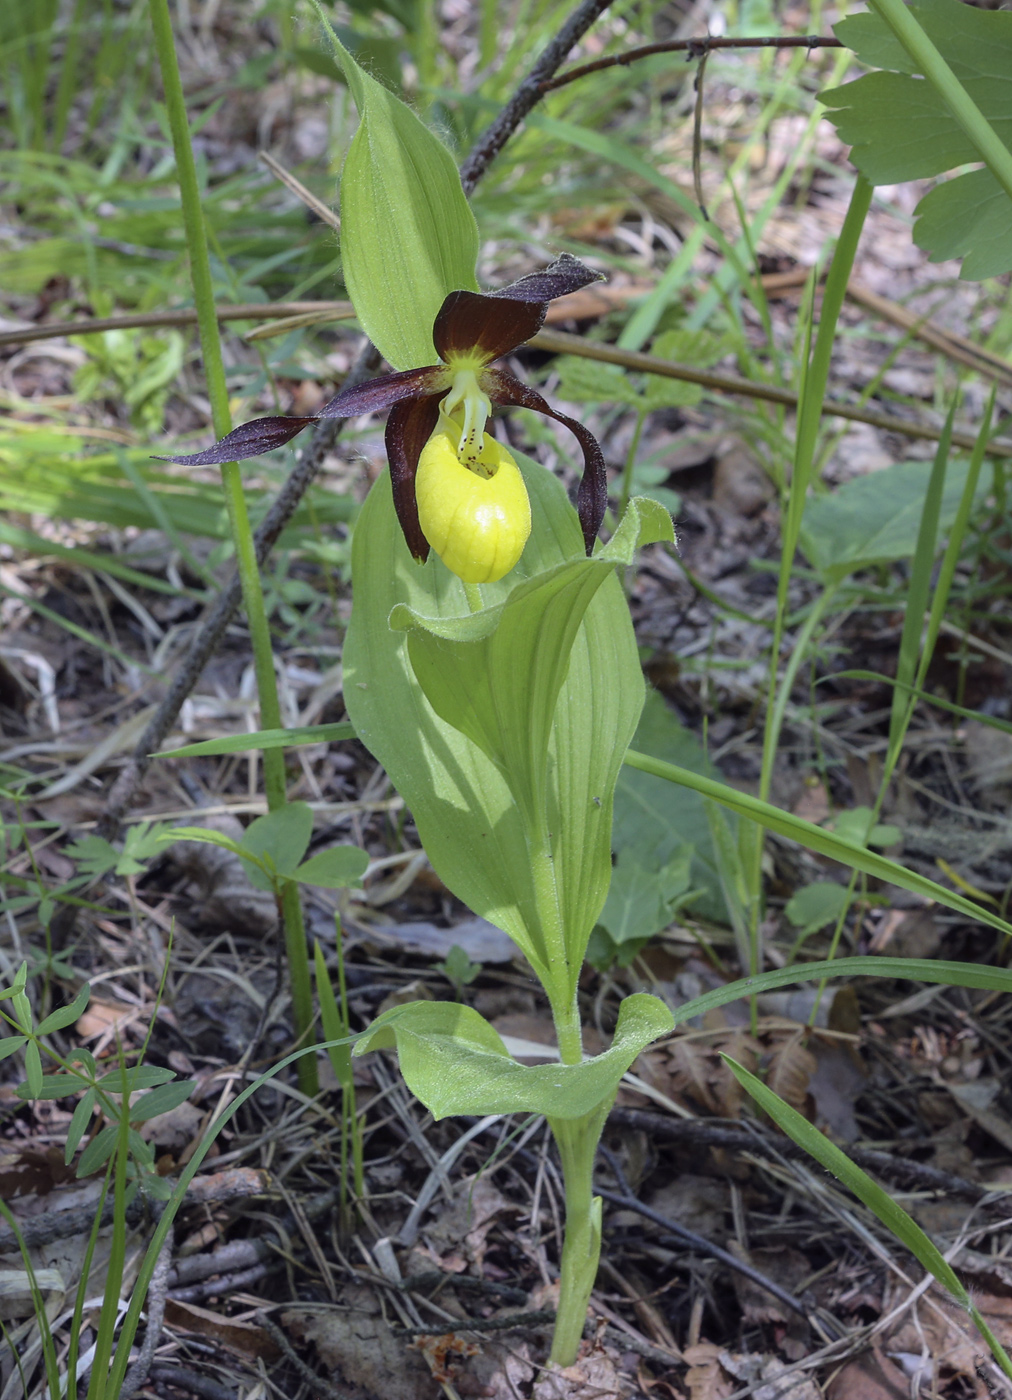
(455,488)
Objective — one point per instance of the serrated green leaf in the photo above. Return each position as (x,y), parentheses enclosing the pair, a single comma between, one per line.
(901,128)
(334,869)
(408,236)
(79,1124)
(454,1062)
(279,838)
(33,1070)
(161,1100)
(66,1015)
(98,1151)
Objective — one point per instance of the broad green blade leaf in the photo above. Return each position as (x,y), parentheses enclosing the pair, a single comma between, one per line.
(281,838)
(264,739)
(875,519)
(900,128)
(454,1062)
(334,869)
(66,1015)
(951,974)
(469,822)
(826,843)
(408,236)
(161,1100)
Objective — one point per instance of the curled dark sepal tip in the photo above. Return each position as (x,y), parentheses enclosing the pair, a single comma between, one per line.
(566,274)
(592,496)
(261,435)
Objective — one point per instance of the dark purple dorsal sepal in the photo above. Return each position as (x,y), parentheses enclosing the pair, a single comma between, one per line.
(471,326)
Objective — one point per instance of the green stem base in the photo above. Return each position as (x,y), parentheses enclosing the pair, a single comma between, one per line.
(577,1140)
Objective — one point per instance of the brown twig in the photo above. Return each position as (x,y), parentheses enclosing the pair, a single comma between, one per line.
(529,93)
(184,316)
(693,48)
(561,343)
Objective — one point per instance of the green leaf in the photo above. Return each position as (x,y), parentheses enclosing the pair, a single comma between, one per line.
(204,835)
(893,1216)
(335,1025)
(264,739)
(161,1100)
(900,128)
(640,899)
(655,820)
(128,1081)
(11,1044)
(334,869)
(454,1062)
(33,1070)
(458,967)
(279,839)
(98,1151)
(858,825)
(66,1015)
(816,905)
(825,843)
(874,519)
(408,236)
(470,823)
(79,1124)
(51,1086)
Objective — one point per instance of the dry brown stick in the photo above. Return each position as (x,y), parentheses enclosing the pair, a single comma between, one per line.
(951,343)
(694,48)
(184,316)
(561,343)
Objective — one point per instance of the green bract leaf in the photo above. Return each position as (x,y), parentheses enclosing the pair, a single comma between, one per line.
(874,519)
(454,1062)
(333,869)
(901,129)
(66,1015)
(408,236)
(471,824)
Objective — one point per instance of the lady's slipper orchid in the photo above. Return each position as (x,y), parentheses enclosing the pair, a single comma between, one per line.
(454,486)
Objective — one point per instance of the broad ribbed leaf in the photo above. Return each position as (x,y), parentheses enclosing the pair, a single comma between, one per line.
(454,1062)
(470,823)
(408,236)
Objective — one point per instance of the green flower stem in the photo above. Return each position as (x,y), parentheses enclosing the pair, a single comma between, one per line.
(242,535)
(577,1143)
(474,600)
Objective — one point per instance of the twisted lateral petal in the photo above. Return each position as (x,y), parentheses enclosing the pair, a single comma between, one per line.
(504,388)
(478,524)
(409,428)
(260,435)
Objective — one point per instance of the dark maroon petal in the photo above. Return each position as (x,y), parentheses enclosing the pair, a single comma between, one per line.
(504,388)
(566,274)
(409,428)
(260,435)
(377,394)
(470,325)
